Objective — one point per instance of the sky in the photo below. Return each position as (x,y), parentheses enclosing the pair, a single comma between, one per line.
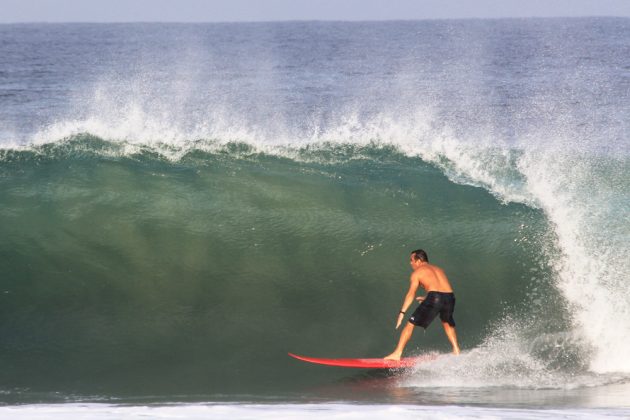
(12,11)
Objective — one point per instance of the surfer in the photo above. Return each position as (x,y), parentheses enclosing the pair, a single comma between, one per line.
(439,300)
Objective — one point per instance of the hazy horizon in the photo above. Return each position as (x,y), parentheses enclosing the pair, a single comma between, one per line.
(79,22)
(197,11)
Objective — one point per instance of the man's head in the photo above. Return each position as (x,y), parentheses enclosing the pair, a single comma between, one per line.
(417,257)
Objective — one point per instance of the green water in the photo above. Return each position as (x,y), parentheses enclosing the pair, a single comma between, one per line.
(137,275)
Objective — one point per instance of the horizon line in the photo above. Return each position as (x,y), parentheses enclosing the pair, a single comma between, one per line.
(53,22)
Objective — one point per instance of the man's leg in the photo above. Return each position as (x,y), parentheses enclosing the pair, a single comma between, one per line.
(405,335)
(452,336)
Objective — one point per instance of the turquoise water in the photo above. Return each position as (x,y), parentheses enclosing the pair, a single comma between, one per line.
(159,276)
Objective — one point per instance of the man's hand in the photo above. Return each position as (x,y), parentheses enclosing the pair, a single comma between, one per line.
(420,298)
(399,321)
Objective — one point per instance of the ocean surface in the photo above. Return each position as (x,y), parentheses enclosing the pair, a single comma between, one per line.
(183,204)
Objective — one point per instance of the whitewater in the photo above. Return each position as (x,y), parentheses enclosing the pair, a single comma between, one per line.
(181,205)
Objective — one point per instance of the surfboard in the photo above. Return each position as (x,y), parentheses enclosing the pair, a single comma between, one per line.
(405,362)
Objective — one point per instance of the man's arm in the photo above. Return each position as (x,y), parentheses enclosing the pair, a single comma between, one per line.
(409,297)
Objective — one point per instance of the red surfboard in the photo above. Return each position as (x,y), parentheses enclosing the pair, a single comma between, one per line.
(405,362)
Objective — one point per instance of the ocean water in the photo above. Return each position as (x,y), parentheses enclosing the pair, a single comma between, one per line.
(183,204)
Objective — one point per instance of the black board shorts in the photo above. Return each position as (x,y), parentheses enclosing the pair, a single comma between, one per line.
(434,303)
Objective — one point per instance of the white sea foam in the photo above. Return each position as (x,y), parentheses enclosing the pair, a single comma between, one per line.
(294,411)
(583,199)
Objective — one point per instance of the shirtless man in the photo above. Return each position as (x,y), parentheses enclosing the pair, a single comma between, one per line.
(439,300)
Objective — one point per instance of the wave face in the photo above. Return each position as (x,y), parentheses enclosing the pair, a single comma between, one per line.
(188,272)
(181,205)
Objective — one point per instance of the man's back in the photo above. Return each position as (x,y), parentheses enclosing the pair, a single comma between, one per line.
(433,279)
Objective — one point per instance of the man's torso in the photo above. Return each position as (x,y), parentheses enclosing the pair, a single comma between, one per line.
(433,279)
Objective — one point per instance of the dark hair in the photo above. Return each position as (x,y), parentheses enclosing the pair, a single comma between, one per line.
(420,254)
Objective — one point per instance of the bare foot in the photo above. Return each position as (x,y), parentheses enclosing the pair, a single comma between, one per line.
(393,356)
(456,351)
